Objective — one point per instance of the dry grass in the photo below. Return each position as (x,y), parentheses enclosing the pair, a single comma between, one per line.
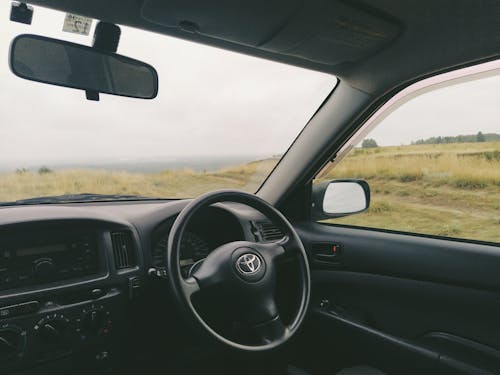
(465,165)
(446,190)
(171,183)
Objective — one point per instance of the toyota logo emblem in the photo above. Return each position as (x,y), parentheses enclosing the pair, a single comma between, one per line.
(248,264)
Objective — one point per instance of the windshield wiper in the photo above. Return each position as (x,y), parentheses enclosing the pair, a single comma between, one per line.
(70,198)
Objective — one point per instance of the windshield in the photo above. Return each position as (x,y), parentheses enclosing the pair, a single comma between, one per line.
(220,120)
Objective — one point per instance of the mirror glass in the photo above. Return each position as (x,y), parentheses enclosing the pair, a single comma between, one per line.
(62,63)
(344,197)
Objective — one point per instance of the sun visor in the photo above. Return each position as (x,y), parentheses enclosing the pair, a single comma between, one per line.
(321,31)
(334,32)
(244,22)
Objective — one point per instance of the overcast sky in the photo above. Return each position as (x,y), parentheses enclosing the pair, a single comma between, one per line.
(461,109)
(210,102)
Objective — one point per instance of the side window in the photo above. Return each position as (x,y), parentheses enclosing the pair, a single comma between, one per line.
(433,165)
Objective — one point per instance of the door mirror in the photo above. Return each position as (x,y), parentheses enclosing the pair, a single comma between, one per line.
(61,63)
(339,198)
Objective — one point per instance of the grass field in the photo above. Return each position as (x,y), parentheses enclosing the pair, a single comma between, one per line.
(447,189)
(181,183)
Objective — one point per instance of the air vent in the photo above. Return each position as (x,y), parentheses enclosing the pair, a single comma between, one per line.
(123,250)
(267,231)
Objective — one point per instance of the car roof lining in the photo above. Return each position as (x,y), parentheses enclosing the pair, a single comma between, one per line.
(372,47)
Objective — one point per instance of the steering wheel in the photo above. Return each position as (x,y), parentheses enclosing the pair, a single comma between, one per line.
(246,269)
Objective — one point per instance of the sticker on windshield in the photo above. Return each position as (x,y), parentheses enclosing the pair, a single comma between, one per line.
(73,23)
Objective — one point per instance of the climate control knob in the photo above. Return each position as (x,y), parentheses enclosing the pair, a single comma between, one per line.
(12,342)
(53,328)
(95,321)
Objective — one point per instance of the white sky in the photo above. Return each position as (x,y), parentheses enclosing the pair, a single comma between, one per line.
(210,102)
(463,108)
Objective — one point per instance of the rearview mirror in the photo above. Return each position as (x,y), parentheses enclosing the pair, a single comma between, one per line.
(67,64)
(339,198)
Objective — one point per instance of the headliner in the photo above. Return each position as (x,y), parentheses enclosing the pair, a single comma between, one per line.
(374,48)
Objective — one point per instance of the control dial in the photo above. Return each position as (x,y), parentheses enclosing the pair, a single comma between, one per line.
(95,321)
(12,342)
(53,328)
(43,268)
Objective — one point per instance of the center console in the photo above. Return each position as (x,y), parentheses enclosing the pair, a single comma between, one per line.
(64,297)
(40,333)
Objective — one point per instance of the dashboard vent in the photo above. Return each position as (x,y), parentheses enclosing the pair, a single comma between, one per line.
(123,250)
(267,231)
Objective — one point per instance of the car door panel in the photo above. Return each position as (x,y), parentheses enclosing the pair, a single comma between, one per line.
(406,303)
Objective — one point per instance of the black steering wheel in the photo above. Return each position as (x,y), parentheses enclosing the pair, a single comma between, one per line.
(246,269)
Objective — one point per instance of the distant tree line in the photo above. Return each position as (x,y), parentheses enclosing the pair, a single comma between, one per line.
(369,143)
(479,137)
(41,170)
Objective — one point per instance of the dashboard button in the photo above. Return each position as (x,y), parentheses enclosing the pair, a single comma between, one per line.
(6,312)
(7,279)
(24,275)
(64,271)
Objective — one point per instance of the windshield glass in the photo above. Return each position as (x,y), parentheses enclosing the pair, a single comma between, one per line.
(220,120)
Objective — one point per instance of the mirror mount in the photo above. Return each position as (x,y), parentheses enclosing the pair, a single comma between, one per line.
(106,38)
(21,12)
(92,95)
(338,198)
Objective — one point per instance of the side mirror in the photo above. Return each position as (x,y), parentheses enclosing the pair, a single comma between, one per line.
(339,198)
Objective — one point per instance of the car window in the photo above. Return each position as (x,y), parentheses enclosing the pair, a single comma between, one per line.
(433,165)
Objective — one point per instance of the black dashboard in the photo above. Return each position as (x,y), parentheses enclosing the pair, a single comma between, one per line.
(73,277)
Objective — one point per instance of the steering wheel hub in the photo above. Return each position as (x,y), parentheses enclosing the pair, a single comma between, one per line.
(245,270)
(249,265)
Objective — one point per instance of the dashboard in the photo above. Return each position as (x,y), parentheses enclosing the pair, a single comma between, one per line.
(209,230)
(75,280)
